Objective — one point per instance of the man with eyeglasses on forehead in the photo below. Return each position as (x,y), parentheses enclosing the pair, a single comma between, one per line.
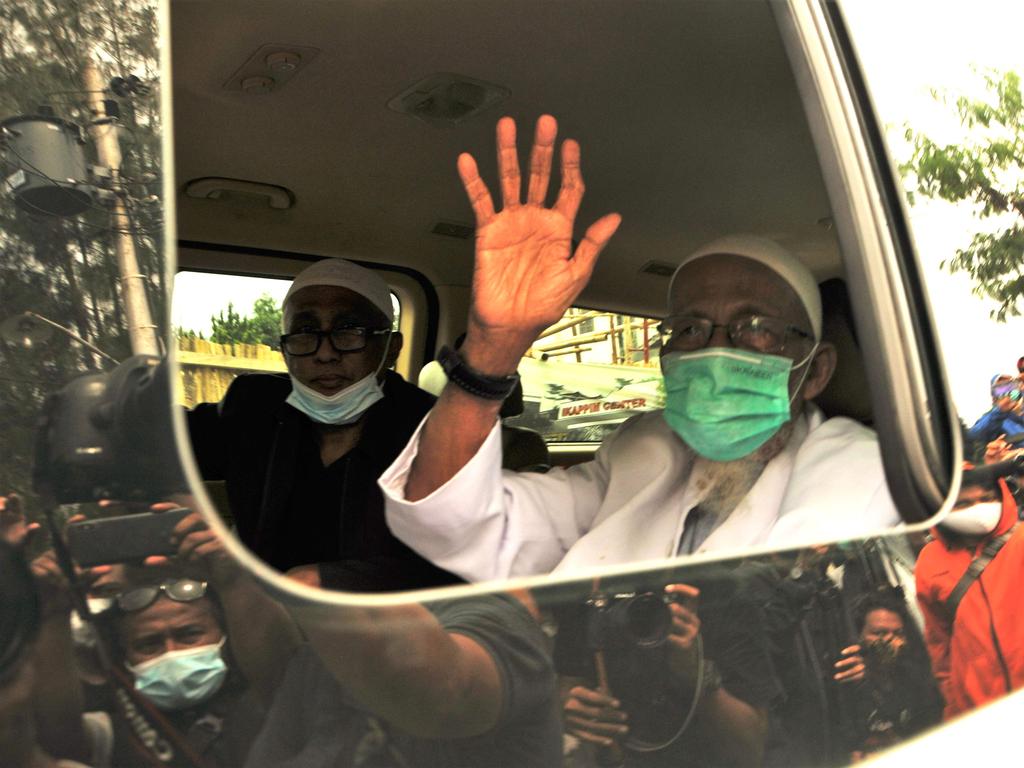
(739,457)
(300,454)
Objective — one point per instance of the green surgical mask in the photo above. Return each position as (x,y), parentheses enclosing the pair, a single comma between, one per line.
(726,403)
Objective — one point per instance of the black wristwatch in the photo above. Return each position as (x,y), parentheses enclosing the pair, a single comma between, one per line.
(476,383)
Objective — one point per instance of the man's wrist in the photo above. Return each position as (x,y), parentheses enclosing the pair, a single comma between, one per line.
(494,353)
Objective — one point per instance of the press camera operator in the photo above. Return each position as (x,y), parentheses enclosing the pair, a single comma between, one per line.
(666,675)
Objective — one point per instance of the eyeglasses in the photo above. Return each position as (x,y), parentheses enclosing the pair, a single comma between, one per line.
(349,339)
(770,335)
(179,590)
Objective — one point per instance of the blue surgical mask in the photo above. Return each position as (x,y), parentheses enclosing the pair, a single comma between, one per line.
(344,407)
(181,679)
(726,403)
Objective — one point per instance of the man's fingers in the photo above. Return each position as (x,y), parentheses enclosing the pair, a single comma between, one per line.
(595,698)
(849,661)
(850,649)
(597,237)
(190,524)
(540,159)
(476,190)
(570,195)
(593,738)
(596,727)
(508,163)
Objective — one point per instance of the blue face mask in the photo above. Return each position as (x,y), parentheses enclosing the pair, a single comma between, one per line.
(181,679)
(727,403)
(344,407)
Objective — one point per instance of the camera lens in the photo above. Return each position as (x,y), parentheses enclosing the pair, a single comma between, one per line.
(647,620)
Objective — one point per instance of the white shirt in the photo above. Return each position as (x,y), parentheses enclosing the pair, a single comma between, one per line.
(630,503)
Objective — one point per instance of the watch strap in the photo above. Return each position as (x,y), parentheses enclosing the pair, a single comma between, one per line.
(473,381)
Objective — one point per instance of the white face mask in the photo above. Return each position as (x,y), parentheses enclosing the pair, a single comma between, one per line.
(344,407)
(976,520)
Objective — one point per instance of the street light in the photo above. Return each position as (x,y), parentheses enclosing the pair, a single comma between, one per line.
(30,329)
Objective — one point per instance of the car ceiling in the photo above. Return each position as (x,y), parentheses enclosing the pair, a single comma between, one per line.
(689,119)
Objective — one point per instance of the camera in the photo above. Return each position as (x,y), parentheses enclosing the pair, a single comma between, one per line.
(109,436)
(628,620)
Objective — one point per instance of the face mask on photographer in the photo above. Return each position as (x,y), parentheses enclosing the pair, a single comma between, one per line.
(181,679)
(976,520)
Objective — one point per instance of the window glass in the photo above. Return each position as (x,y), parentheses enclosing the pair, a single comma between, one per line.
(955,128)
(226,325)
(588,373)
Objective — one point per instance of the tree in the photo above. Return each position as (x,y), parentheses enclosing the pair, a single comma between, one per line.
(233,329)
(263,327)
(266,321)
(65,268)
(987,170)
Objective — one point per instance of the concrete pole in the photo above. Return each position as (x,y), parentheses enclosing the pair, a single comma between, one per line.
(141,329)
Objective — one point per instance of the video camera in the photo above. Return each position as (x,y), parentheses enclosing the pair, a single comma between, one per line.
(108,436)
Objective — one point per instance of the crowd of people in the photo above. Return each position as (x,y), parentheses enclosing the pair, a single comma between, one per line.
(344,476)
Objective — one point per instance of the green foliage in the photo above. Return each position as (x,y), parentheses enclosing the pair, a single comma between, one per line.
(263,327)
(66,269)
(987,169)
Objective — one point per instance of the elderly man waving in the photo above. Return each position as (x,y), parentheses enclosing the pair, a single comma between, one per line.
(739,457)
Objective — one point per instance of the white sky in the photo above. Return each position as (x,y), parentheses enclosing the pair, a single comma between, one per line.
(906,47)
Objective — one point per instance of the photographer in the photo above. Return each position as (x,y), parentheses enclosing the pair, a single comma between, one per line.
(968,580)
(895,696)
(712,671)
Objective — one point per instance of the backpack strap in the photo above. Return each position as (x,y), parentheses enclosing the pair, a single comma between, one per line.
(973,571)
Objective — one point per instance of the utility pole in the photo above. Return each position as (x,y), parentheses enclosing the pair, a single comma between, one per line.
(141,329)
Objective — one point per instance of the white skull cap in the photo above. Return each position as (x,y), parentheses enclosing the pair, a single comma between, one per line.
(345,274)
(776,258)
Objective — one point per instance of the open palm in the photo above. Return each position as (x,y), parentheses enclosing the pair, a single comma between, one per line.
(526,274)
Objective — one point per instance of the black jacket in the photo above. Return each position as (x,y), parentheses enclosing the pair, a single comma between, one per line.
(291,510)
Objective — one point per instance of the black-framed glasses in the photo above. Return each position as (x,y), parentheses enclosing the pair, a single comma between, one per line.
(179,590)
(348,339)
(770,335)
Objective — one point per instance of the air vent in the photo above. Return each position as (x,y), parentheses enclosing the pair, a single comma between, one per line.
(659,268)
(447,99)
(451,229)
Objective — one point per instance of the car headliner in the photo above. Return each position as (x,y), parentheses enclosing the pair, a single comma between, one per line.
(688,116)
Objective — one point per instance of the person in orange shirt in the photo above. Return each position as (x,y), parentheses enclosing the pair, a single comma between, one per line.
(974,628)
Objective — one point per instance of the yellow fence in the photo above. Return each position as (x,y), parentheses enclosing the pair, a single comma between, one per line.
(208,368)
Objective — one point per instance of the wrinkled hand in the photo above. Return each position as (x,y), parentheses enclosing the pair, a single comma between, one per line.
(526,275)
(685,631)
(14,527)
(851,667)
(594,716)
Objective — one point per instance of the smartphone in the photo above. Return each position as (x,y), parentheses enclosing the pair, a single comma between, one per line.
(125,538)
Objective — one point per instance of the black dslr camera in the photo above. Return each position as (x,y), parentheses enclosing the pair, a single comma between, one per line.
(628,620)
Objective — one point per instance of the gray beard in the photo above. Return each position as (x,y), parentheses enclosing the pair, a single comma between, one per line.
(728,482)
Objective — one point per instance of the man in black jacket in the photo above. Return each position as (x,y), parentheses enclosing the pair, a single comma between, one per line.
(300,454)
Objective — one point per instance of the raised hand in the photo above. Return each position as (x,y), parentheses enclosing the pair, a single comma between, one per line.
(526,274)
